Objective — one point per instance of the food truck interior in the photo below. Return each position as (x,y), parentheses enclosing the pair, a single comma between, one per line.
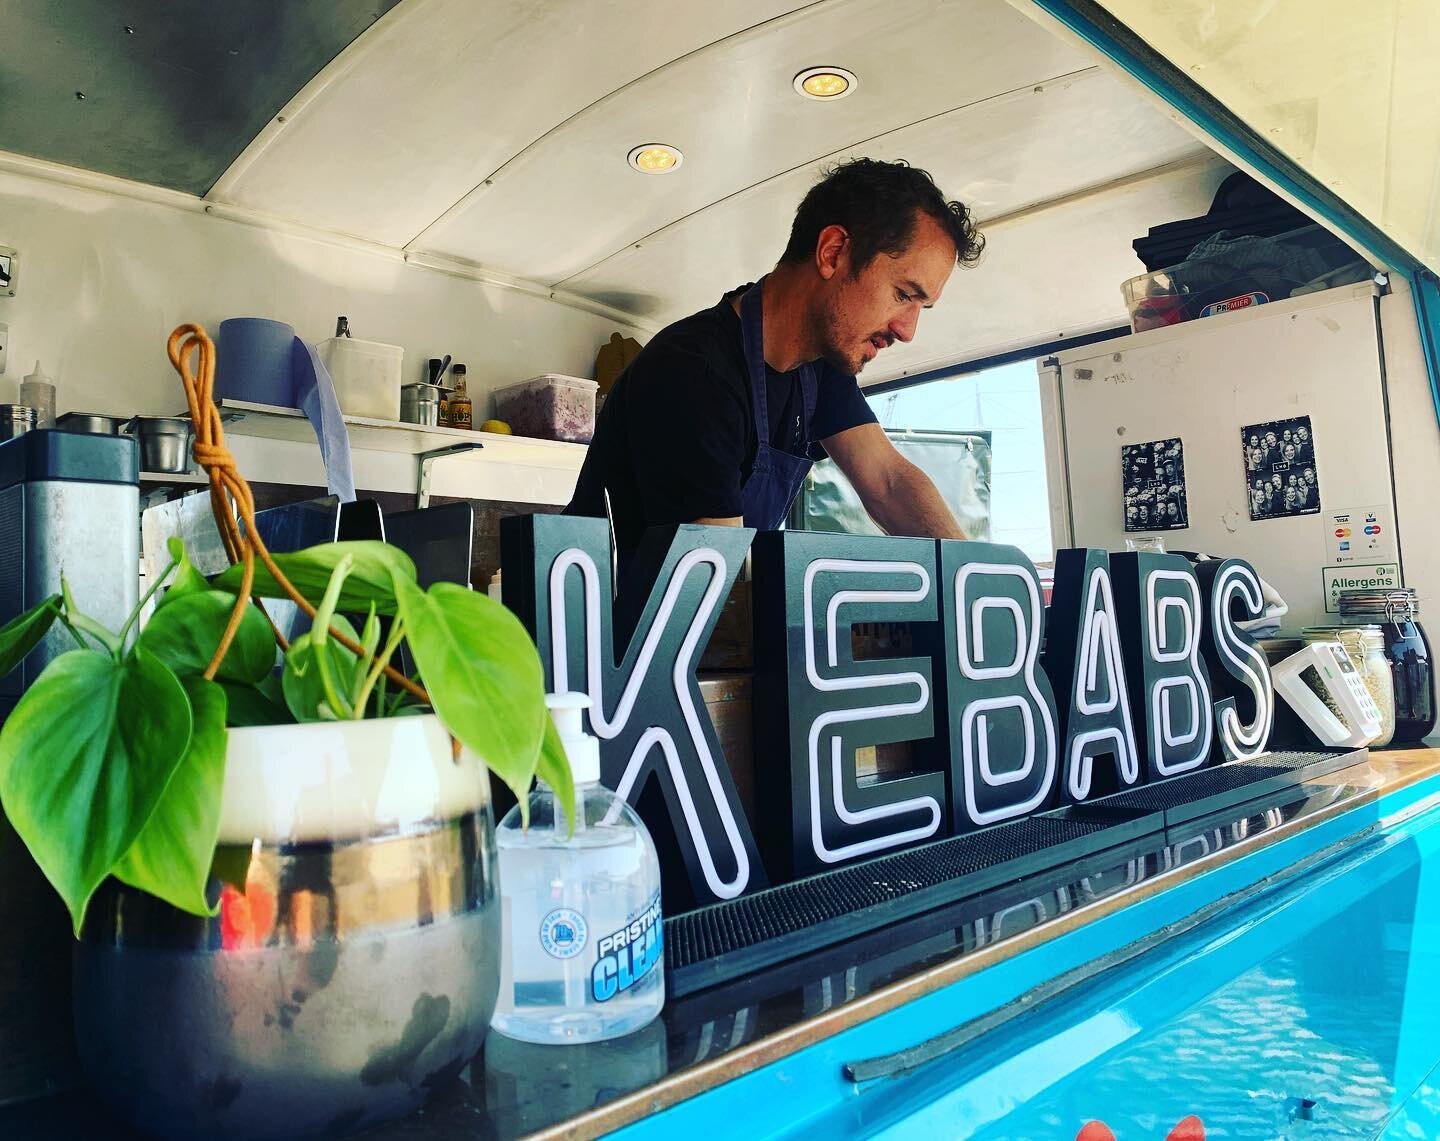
(1200,324)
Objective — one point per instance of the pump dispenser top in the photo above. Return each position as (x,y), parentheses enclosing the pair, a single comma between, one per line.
(581,748)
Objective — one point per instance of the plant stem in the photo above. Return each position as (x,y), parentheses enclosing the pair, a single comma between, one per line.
(149,594)
(377,668)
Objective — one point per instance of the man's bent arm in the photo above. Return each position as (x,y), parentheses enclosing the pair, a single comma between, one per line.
(897,495)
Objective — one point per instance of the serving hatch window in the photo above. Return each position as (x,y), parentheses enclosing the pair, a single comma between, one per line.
(1002,404)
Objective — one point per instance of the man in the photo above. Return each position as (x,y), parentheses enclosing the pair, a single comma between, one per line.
(720,416)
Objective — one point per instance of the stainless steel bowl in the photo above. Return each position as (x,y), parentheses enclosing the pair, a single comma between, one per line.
(164,442)
(91,423)
(342,982)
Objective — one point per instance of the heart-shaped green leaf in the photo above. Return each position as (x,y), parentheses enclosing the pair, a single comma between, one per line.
(375,566)
(482,673)
(553,767)
(186,580)
(184,634)
(303,682)
(22,634)
(171,857)
(259,704)
(85,757)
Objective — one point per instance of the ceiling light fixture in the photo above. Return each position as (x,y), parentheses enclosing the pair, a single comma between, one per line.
(826,83)
(656,158)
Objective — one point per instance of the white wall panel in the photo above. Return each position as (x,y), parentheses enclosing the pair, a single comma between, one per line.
(1415,444)
(105,278)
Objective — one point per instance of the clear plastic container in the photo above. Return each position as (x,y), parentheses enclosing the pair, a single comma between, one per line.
(366,376)
(1237,272)
(583,948)
(1365,646)
(549,407)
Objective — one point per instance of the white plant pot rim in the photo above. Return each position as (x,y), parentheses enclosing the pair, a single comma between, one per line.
(345,780)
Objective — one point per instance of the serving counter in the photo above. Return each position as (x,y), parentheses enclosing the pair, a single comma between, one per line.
(856,1036)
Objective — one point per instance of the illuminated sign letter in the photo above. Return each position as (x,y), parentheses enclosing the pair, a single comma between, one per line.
(648,711)
(1161,616)
(1087,668)
(815,704)
(1237,665)
(999,704)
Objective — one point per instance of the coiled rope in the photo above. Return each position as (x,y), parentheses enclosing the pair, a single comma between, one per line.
(230,496)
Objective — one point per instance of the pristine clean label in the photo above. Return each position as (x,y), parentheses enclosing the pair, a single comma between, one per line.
(628,955)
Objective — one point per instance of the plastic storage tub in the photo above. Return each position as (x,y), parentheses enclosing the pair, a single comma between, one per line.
(1226,273)
(366,376)
(550,407)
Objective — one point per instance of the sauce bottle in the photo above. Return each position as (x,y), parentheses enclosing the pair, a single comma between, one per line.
(459,407)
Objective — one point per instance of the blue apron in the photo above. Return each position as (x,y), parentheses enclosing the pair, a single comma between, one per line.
(777,475)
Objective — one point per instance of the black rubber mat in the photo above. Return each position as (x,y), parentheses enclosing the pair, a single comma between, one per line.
(1213,789)
(716,944)
(726,940)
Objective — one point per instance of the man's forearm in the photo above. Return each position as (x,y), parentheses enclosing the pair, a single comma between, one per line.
(912,505)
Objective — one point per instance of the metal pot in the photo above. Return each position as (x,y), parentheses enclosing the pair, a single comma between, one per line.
(90,423)
(15,420)
(420,404)
(164,442)
(354,964)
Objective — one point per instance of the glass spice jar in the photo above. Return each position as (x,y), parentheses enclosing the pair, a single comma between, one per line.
(1407,650)
(1365,646)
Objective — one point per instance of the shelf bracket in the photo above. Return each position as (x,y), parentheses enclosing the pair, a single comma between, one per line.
(427,465)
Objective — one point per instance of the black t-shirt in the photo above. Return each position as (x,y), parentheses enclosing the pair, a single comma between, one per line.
(675,440)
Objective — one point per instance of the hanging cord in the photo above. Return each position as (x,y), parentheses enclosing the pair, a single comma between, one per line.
(227,488)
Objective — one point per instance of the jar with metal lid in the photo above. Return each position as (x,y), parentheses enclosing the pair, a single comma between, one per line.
(1406,648)
(1365,646)
(15,420)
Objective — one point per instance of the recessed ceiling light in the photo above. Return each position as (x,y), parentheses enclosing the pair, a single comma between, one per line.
(826,83)
(656,158)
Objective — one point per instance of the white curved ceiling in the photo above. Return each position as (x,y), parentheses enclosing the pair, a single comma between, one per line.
(492,135)
(496,134)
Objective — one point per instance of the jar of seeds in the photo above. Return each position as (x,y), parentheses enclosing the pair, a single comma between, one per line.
(1365,646)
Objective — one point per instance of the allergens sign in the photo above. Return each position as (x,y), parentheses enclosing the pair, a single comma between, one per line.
(1371,576)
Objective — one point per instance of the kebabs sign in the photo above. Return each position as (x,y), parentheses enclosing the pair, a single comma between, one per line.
(1146,675)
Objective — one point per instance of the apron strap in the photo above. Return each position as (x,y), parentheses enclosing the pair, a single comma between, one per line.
(753,338)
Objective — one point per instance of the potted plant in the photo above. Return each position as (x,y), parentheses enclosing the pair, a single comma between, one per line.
(282,877)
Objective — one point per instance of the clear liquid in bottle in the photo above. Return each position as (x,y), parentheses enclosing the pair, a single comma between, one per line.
(583,944)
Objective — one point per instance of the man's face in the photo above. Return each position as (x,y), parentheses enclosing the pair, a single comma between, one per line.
(869,311)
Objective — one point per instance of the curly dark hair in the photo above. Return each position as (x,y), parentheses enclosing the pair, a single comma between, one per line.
(879,204)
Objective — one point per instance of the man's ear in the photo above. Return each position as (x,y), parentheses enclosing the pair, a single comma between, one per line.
(832,251)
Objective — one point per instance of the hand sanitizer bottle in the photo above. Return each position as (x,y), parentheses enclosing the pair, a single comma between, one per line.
(583,950)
